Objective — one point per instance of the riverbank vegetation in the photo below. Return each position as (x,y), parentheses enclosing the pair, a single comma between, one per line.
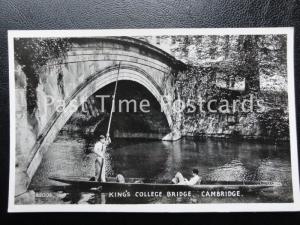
(234,67)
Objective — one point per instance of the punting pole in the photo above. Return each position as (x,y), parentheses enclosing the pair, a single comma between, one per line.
(113,102)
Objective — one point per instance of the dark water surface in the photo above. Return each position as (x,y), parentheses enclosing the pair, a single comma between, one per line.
(218,160)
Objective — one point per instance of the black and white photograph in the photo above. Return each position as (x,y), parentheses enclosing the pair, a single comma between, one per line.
(152,120)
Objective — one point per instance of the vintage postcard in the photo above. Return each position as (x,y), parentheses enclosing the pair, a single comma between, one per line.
(153,120)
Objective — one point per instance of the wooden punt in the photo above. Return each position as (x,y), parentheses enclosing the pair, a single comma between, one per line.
(142,184)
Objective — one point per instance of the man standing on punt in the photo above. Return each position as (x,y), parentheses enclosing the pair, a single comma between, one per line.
(99,150)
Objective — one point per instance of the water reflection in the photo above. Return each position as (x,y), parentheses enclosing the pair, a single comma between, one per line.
(232,171)
(216,161)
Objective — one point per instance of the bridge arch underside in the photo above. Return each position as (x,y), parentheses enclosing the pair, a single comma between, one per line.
(87,89)
(137,113)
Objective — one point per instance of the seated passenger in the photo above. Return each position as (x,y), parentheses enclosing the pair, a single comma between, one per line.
(120,179)
(195,178)
(179,179)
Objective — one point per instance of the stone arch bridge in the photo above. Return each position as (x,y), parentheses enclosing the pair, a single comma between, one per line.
(89,65)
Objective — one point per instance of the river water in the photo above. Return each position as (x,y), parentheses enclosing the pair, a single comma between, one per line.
(218,160)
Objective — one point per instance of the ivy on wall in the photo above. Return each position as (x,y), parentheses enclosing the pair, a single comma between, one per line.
(32,54)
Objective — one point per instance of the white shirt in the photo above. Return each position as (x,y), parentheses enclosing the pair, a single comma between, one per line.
(194,180)
(99,149)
